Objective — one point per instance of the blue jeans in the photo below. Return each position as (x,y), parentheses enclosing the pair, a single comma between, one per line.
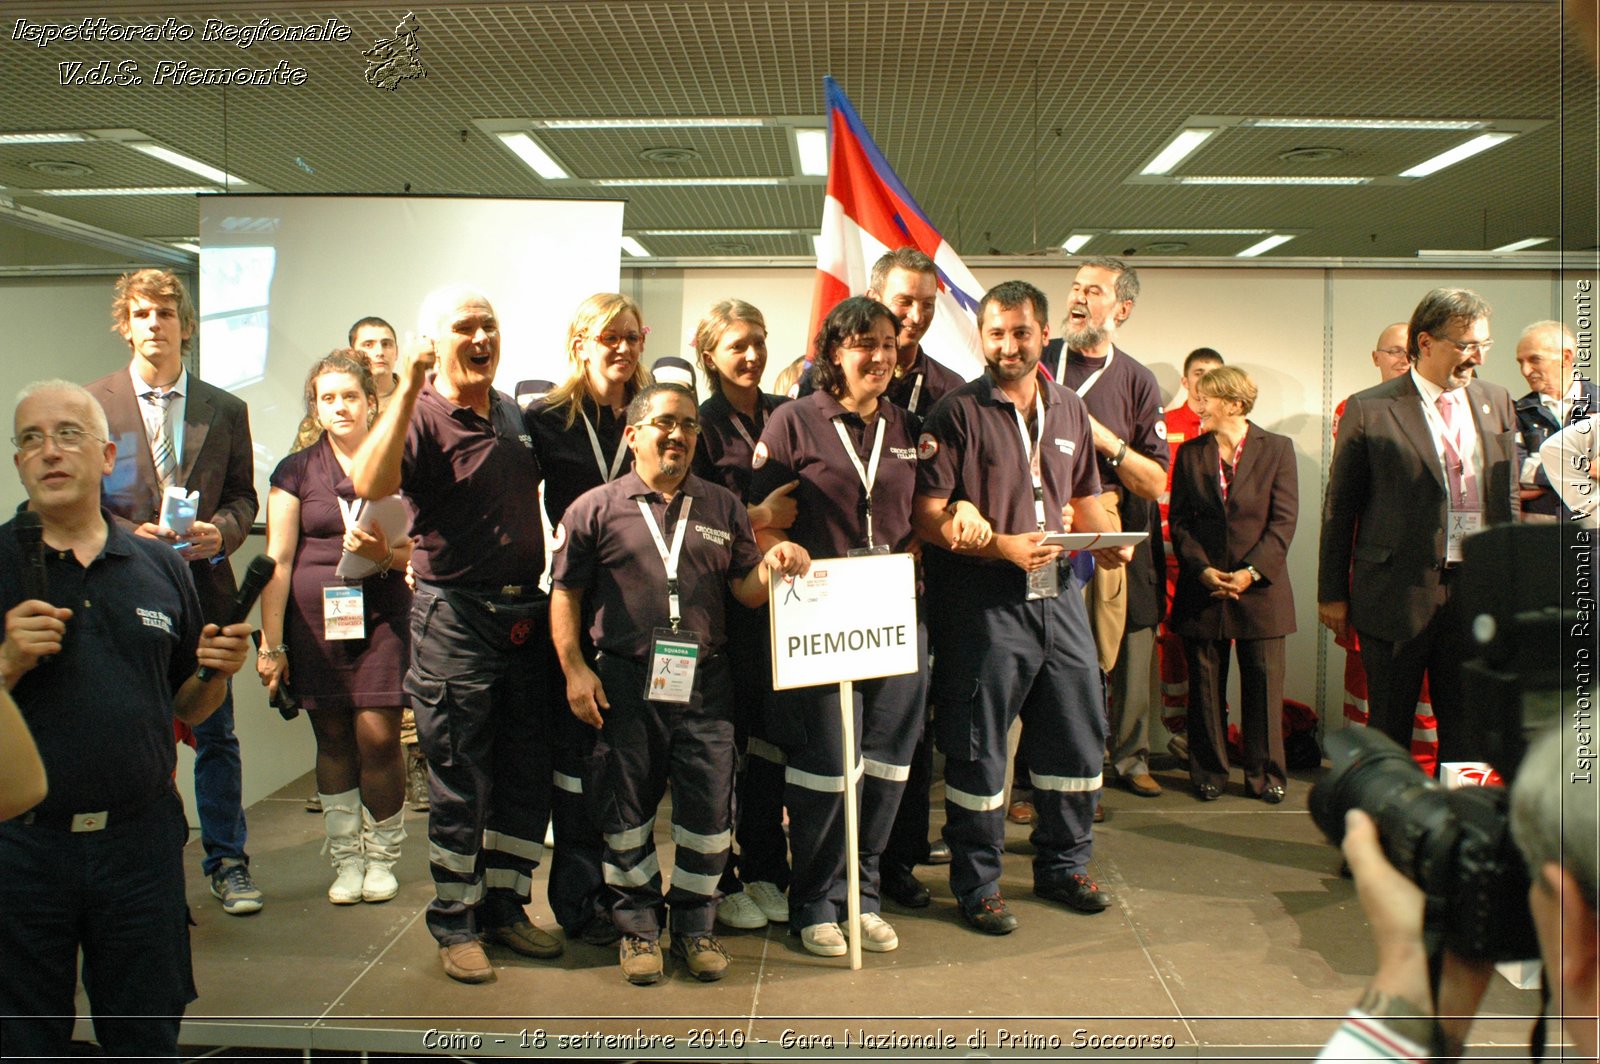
(218,788)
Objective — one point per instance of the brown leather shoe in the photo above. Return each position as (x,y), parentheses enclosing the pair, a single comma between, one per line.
(466,962)
(526,939)
(1143,784)
(1099,814)
(1021,812)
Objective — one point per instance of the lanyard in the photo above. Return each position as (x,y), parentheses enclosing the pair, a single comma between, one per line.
(1092,379)
(350,510)
(869,473)
(1224,476)
(1030,450)
(1453,442)
(916,393)
(669,558)
(599,456)
(738,426)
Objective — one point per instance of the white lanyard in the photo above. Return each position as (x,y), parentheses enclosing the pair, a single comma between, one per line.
(1092,379)
(669,558)
(868,474)
(599,456)
(351,511)
(916,392)
(1030,451)
(744,433)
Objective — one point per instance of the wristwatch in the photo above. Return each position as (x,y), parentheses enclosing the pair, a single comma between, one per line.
(1255,574)
(1122,452)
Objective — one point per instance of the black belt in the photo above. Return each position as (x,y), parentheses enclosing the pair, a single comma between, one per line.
(96,820)
(508,593)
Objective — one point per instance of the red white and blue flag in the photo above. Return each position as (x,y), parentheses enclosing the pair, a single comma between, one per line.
(868,212)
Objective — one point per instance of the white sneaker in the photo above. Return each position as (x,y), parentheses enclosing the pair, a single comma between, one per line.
(770,899)
(740,910)
(346,888)
(825,940)
(876,934)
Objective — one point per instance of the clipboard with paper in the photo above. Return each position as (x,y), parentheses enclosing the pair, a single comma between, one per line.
(388,513)
(1093,540)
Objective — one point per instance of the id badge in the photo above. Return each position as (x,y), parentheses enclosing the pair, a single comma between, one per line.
(857,552)
(344,612)
(1463,523)
(673,659)
(1045,583)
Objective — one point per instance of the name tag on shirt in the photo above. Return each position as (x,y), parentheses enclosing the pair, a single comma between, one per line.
(1463,523)
(344,612)
(674,656)
(1045,583)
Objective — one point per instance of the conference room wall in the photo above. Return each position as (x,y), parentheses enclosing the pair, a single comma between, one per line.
(1303,333)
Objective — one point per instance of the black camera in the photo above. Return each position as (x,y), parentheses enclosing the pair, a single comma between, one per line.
(1517,591)
(1455,844)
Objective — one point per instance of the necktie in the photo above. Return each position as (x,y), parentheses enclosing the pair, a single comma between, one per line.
(162,453)
(1463,492)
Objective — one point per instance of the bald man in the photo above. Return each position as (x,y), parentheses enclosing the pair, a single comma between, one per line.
(1560,396)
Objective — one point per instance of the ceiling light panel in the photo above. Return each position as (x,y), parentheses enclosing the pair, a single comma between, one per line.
(1477,145)
(185,162)
(65,137)
(650,123)
(142,190)
(532,153)
(1179,148)
(1366,123)
(1075,243)
(1265,246)
(1520,245)
(1269,179)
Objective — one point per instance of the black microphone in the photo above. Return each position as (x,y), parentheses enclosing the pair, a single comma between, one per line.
(30,538)
(255,578)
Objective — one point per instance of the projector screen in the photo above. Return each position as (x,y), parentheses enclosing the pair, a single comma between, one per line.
(282,278)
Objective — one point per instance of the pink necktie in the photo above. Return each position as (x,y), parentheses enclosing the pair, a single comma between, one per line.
(1463,493)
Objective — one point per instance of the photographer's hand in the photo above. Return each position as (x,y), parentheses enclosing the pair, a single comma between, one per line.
(1394,910)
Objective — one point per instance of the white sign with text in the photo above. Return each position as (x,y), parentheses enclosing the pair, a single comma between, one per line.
(847,619)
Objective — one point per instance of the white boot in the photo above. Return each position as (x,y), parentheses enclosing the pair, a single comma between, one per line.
(341,820)
(381,841)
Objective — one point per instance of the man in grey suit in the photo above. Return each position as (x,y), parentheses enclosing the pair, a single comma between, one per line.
(1422,461)
(173,430)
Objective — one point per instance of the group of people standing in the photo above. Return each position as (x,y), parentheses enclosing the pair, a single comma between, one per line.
(643,660)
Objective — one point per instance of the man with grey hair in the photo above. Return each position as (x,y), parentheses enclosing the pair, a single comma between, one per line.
(1402,1016)
(1125,415)
(104,645)
(1560,396)
(479,676)
(1422,461)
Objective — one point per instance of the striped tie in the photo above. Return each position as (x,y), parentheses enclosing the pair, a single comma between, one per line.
(161,449)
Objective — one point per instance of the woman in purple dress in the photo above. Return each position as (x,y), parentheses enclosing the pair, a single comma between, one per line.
(341,644)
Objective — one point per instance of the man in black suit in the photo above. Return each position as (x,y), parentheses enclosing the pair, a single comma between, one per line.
(173,430)
(1422,461)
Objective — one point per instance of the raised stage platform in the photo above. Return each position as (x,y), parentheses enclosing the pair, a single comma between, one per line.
(1231,937)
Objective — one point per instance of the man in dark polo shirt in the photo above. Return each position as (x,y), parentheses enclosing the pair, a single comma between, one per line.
(1124,404)
(479,644)
(99,667)
(644,563)
(1009,637)
(907,282)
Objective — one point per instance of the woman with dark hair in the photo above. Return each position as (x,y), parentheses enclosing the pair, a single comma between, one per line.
(855,457)
(346,676)
(1235,501)
(577,434)
(730,346)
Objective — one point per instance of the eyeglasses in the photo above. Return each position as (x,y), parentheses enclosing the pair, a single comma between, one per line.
(1476,347)
(68,438)
(1393,352)
(665,424)
(614,340)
